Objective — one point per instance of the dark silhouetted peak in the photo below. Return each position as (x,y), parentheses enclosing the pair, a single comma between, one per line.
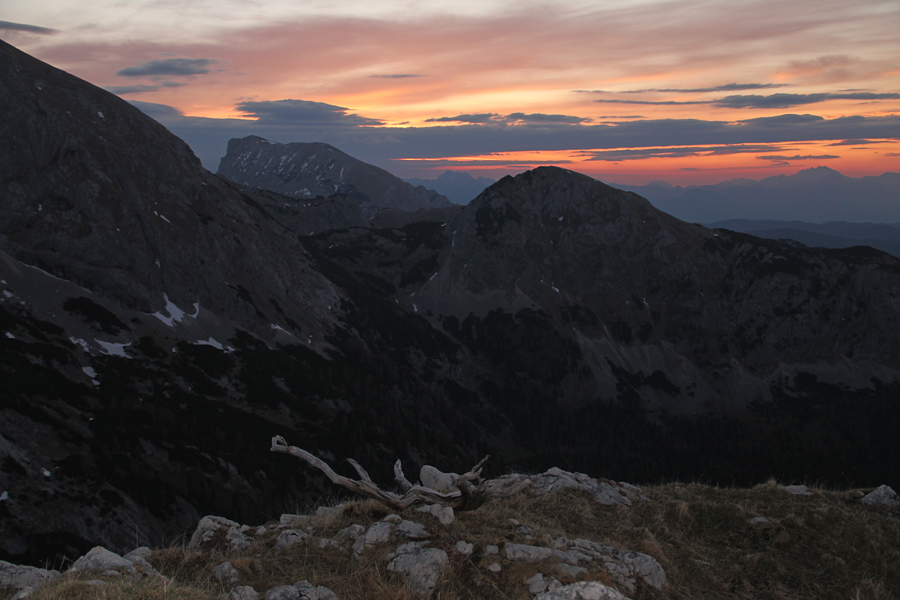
(307,170)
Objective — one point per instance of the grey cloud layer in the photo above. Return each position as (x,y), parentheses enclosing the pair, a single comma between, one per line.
(170,67)
(301,113)
(9,26)
(299,120)
(757,101)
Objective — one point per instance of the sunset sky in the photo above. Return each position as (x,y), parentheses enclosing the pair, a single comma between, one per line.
(686,91)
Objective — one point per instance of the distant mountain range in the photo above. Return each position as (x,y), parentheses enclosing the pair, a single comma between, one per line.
(460,187)
(306,171)
(159,324)
(813,195)
(834,234)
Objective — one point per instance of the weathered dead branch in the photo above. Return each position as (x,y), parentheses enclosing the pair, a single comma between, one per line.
(472,491)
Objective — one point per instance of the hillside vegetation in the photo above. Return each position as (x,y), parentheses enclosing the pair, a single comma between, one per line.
(710,541)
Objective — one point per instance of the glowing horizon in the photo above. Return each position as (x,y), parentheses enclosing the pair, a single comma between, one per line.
(410,85)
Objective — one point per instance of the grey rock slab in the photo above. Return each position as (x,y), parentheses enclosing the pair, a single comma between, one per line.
(210,526)
(572,571)
(525,553)
(494,567)
(379,533)
(290,537)
(309,591)
(491,549)
(19,577)
(465,548)
(143,552)
(882,495)
(393,519)
(797,490)
(583,590)
(331,545)
(226,574)
(604,491)
(102,560)
(351,532)
(143,565)
(536,584)
(422,567)
(411,530)
(242,592)
(624,566)
(288,521)
(444,514)
(438,480)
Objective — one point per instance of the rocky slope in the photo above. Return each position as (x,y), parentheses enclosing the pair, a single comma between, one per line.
(158,325)
(310,170)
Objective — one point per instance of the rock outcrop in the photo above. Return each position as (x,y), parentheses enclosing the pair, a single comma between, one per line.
(312,170)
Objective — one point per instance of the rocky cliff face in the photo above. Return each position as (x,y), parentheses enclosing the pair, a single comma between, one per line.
(309,170)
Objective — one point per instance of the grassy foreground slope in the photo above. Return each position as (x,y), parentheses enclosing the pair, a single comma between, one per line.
(710,541)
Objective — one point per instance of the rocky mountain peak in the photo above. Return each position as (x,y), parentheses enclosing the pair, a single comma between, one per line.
(307,170)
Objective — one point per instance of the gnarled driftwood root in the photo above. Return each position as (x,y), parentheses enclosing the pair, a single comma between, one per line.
(472,491)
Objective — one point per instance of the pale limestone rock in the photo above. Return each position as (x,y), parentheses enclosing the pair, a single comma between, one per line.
(491,549)
(583,590)
(421,566)
(393,519)
(444,514)
(882,495)
(242,592)
(605,492)
(210,525)
(143,552)
(106,562)
(331,545)
(351,532)
(797,490)
(226,574)
(379,533)
(438,480)
(309,591)
(625,567)
(290,537)
(20,577)
(411,530)
(523,553)
(536,584)
(464,548)
(571,570)
(494,567)
(288,521)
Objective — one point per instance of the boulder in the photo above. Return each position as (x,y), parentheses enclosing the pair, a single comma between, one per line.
(211,526)
(623,566)
(797,490)
(604,491)
(444,514)
(226,574)
(419,565)
(411,530)
(103,561)
(17,577)
(290,537)
(583,590)
(242,592)
(379,533)
(882,495)
(438,480)
(525,553)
